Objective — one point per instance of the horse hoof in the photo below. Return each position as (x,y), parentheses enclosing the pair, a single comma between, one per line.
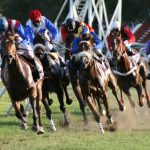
(69,101)
(50,101)
(23,126)
(24,119)
(102,131)
(122,108)
(34,128)
(110,121)
(40,130)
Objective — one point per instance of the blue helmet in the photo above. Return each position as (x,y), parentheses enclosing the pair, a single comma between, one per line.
(82,30)
(3,24)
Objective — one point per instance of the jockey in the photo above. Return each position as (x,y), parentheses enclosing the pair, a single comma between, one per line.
(40,24)
(127,36)
(70,27)
(9,26)
(85,34)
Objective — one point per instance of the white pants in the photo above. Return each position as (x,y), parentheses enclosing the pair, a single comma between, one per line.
(136,57)
(26,50)
(48,46)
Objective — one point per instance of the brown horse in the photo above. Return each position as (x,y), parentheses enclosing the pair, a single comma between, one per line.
(93,80)
(129,74)
(112,83)
(17,77)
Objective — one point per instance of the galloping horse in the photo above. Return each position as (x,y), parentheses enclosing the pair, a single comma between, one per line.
(17,77)
(55,79)
(112,83)
(92,76)
(129,74)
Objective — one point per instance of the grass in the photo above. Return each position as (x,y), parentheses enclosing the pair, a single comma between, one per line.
(133,131)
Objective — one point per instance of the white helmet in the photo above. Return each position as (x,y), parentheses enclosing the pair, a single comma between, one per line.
(116,25)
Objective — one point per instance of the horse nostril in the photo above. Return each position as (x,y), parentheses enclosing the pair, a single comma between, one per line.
(10,56)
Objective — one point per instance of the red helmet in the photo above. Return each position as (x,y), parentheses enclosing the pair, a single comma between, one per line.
(35,15)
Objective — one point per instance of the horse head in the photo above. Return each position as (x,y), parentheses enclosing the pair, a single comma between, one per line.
(9,48)
(120,54)
(84,58)
(85,46)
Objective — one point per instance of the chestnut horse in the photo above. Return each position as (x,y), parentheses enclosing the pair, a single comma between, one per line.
(17,77)
(55,79)
(92,75)
(112,83)
(128,73)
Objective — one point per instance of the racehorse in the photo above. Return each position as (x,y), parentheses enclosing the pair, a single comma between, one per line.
(92,76)
(112,83)
(17,77)
(129,74)
(73,76)
(56,80)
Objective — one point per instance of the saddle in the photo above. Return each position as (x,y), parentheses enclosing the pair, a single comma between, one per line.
(32,66)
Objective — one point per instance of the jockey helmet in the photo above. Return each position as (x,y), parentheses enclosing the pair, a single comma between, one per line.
(70,24)
(3,24)
(35,17)
(83,32)
(116,25)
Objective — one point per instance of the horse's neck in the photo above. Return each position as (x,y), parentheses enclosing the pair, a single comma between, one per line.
(91,69)
(126,63)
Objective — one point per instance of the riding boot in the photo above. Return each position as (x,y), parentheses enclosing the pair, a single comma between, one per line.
(62,62)
(37,70)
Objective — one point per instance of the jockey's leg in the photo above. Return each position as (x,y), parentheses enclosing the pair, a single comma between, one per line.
(100,58)
(28,52)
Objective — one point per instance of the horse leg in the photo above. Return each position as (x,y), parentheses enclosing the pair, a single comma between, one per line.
(139,91)
(68,99)
(127,92)
(101,110)
(77,91)
(19,115)
(62,105)
(113,86)
(142,72)
(65,83)
(108,114)
(38,108)
(32,98)
(23,125)
(48,111)
(144,84)
(95,113)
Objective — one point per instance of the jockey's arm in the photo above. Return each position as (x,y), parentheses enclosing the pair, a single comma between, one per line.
(21,31)
(75,44)
(97,41)
(63,33)
(30,33)
(51,28)
(130,35)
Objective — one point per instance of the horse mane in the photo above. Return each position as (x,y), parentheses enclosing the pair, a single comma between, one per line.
(84,54)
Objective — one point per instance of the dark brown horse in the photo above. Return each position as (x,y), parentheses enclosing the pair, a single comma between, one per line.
(56,80)
(17,77)
(129,74)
